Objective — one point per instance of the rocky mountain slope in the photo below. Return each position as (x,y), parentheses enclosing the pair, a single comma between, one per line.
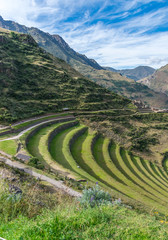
(158,81)
(33,81)
(124,86)
(51,43)
(135,73)
(114,81)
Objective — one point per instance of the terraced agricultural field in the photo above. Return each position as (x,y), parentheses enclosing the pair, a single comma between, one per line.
(75,151)
(80,153)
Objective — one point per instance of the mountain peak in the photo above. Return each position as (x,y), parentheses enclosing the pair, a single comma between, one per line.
(135,73)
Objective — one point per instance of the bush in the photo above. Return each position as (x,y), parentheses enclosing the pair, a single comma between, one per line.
(35,162)
(93,197)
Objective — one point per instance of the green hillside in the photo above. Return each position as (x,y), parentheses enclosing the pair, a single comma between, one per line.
(33,81)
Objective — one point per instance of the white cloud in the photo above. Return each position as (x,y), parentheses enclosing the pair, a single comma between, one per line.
(121,44)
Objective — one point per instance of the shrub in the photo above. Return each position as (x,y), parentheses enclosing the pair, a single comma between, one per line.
(95,196)
(35,162)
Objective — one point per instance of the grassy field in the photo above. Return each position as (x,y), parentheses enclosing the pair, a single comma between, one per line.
(70,222)
(9,147)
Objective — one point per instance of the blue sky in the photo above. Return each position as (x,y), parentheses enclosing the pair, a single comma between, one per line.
(116,33)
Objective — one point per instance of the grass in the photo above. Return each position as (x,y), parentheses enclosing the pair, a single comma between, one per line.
(56,149)
(9,146)
(156,170)
(164,171)
(38,146)
(146,174)
(147,165)
(141,187)
(154,178)
(71,222)
(68,155)
(146,183)
(101,174)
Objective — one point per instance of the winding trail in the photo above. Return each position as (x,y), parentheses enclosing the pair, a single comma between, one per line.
(36,125)
(35,118)
(30,171)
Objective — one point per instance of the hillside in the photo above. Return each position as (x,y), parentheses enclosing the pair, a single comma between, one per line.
(135,73)
(33,81)
(55,45)
(158,81)
(124,86)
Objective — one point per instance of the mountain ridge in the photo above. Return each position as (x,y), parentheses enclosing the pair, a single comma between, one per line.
(63,49)
(135,73)
(158,81)
(111,80)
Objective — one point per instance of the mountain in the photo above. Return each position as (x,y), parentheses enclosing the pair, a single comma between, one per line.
(158,81)
(135,73)
(51,43)
(124,86)
(114,81)
(33,81)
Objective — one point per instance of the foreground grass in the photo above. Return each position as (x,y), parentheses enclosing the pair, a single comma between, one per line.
(71,222)
(9,147)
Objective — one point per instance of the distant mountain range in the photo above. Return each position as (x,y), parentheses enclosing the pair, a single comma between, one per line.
(158,81)
(113,81)
(135,73)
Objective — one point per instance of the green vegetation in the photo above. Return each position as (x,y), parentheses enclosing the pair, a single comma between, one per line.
(9,147)
(30,211)
(70,222)
(94,197)
(35,162)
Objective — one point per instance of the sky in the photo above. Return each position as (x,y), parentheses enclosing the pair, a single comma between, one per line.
(116,33)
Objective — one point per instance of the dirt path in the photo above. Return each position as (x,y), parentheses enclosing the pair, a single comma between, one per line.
(36,125)
(39,176)
(32,119)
